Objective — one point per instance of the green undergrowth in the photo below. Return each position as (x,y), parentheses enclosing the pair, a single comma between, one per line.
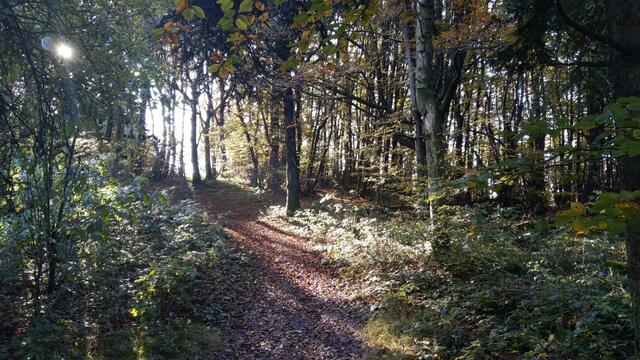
(474,283)
(139,279)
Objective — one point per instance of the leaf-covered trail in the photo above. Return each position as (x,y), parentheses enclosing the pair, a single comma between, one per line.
(290,305)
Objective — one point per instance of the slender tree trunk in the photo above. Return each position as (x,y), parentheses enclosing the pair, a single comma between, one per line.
(426,100)
(221,128)
(195,96)
(421,159)
(293,177)
(181,170)
(206,133)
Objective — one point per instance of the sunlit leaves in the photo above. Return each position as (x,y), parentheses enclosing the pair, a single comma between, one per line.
(613,212)
(241,24)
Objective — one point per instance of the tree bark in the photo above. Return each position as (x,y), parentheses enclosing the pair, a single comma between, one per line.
(426,100)
(195,95)
(421,159)
(623,17)
(293,177)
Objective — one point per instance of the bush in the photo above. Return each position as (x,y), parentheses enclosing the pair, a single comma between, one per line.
(136,276)
(476,282)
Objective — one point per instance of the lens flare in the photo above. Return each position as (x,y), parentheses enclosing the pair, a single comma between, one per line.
(64,51)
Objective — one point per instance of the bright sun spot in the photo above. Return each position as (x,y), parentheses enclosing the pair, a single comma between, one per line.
(64,51)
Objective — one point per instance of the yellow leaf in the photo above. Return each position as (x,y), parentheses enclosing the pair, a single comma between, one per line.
(241,24)
(263,17)
(133,312)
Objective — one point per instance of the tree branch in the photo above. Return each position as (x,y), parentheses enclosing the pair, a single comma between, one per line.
(587,32)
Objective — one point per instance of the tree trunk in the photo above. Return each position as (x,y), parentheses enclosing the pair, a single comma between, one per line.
(195,96)
(426,100)
(209,171)
(421,159)
(293,178)
(624,73)
(221,136)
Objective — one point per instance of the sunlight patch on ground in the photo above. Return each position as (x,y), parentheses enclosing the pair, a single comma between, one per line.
(387,336)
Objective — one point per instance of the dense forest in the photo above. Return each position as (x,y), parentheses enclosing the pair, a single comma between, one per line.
(320,179)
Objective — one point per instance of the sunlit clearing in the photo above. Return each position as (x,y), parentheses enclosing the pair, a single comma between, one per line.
(64,51)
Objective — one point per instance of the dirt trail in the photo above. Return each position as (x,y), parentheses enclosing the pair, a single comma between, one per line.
(290,306)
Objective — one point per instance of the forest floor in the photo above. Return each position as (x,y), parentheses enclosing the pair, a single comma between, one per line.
(288,303)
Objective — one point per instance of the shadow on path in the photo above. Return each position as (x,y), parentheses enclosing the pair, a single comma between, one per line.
(288,305)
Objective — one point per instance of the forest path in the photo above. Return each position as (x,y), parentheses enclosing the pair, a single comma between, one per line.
(289,305)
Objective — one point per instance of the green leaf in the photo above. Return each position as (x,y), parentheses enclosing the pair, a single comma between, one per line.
(301,19)
(198,11)
(188,14)
(279,2)
(245,6)
(214,68)
(616,226)
(226,23)
(226,5)
(155,34)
